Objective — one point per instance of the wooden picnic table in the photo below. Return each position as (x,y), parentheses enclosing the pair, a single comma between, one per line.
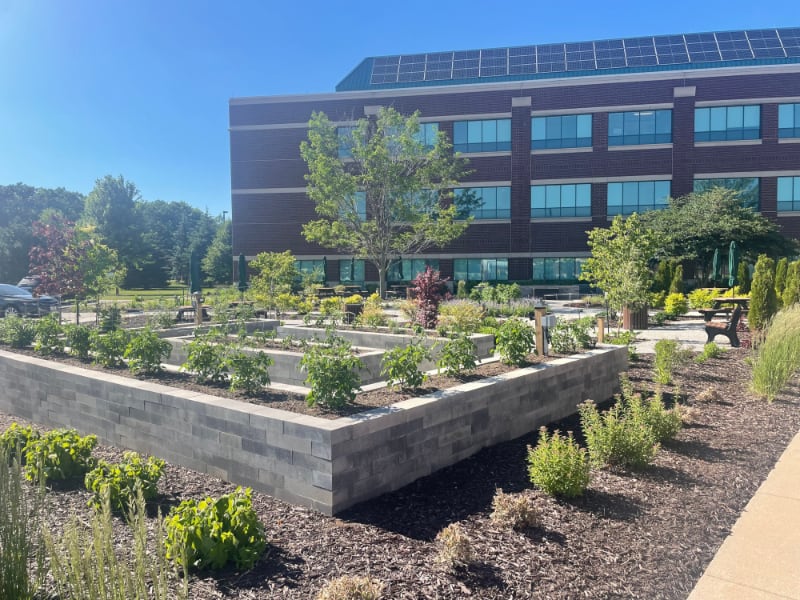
(742,301)
(183,311)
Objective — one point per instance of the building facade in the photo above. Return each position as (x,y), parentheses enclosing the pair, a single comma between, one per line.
(560,138)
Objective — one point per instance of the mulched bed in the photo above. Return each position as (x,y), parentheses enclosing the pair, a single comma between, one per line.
(645,534)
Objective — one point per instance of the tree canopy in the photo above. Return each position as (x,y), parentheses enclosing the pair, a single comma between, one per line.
(379,190)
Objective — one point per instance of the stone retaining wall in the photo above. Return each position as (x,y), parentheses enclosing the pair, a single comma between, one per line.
(327,465)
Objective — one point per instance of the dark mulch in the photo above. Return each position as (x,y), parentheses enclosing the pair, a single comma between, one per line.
(645,534)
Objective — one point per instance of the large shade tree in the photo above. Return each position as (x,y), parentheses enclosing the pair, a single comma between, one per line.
(380,191)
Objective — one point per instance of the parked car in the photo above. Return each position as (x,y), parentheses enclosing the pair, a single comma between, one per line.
(29,283)
(16,301)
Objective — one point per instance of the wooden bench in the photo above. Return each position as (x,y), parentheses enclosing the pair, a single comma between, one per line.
(710,313)
(728,328)
(184,311)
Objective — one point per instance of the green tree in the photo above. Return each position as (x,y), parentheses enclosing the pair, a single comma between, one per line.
(676,285)
(781,271)
(763,300)
(274,273)
(620,259)
(663,277)
(691,227)
(388,197)
(218,260)
(743,277)
(791,293)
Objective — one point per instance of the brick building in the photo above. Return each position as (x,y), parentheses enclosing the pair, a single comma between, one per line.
(560,138)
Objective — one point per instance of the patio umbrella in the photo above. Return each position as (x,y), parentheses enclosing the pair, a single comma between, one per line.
(400,268)
(733,264)
(195,284)
(324,269)
(242,275)
(715,267)
(352,269)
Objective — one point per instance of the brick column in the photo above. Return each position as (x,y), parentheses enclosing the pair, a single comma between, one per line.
(683,141)
(520,230)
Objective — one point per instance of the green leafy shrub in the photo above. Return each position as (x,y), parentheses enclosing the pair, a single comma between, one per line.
(331,373)
(791,291)
(372,315)
(659,318)
(506,292)
(145,352)
(763,300)
(710,350)
(513,511)
(17,332)
(120,480)
(248,372)
(110,318)
(330,306)
(463,316)
(109,348)
(457,355)
(461,290)
(656,299)
(162,319)
(352,587)
(48,340)
(77,338)
(664,424)
(354,299)
(669,356)
(703,297)
(624,338)
(400,365)
(210,534)
(568,337)
(454,548)
(515,340)
(616,437)
(676,285)
(557,465)
(206,358)
(59,454)
(15,439)
(676,305)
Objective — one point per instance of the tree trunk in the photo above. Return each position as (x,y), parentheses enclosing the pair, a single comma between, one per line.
(77,311)
(382,281)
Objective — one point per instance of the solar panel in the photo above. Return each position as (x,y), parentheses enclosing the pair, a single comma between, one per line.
(588,56)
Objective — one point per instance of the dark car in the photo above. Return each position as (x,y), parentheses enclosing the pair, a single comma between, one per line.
(16,301)
(29,283)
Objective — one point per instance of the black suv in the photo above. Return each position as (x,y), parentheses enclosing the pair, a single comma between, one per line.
(16,301)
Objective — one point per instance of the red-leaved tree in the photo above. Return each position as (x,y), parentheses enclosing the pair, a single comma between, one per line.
(428,289)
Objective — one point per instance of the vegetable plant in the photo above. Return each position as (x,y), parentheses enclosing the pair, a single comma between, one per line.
(145,352)
(332,375)
(120,480)
(59,454)
(401,364)
(515,340)
(457,355)
(109,348)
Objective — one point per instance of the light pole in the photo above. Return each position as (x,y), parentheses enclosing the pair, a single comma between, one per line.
(224,214)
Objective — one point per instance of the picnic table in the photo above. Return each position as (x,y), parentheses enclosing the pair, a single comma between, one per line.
(184,311)
(326,292)
(718,307)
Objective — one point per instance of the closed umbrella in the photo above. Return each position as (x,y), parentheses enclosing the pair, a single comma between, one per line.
(324,270)
(352,269)
(733,264)
(400,268)
(242,275)
(195,284)
(716,275)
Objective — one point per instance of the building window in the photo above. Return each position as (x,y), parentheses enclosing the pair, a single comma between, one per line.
(746,187)
(427,134)
(490,202)
(563,269)
(345,137)
(569,200)
(727,123)
(640,127)
(357,204)
(788,194)
(491,135)
(410,268)
(628,197)
(480,269)
(351,270)
(311,267)
(566,131)
(788,120)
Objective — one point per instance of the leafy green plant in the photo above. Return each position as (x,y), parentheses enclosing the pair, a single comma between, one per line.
(457,355)
(568,337)
(454,548)
(624,338)
(777,357)
(205,357)
(463,316)
(48,340)
(461,290)
(663,423)
(120,481)
(763,299)
(59,454)
(513,511)
(659,318)
(77,339)
(372,315)
(145,352)
(669,356)
(710,350)
(515,340)
(16,331)
(15,439)
(616,437)
(332,373)
(210,534)
(110,317)
(557,465)
(109,348)
(248,372)
(676,305)
(400,365)
(703,297)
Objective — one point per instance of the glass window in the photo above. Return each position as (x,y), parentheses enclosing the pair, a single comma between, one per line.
(492,202)
(788,120)
(480,269)
(489,135)
(640,127)
(568,200)
(628,197)
(727,123)
(351,270)
(427,134)
(357,204)
(564,269)
(746,187)
(408,268)
(788,194)
(345,137)
(567,131)
(309,267)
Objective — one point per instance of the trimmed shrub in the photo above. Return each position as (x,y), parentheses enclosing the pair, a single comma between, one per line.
(781,272)
(763,301)
(119,481)
(514,341)
(703,297)
(59,454)
(454,548)
(676,285)
(743,277)
(557,465)
(458,355)
(791,292)
(669,356)
(513,511)
(676,305)
(615,437)
(352,587)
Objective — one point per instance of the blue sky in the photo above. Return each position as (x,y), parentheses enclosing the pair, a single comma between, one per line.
(141,87)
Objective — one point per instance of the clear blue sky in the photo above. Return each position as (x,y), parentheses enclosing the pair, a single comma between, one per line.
(141,87)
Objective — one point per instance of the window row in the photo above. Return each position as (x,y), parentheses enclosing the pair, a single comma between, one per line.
(788,194)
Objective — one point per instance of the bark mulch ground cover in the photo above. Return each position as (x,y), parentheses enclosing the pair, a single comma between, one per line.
(646,534)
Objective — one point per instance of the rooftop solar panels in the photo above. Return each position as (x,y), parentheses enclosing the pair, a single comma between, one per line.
(654,51)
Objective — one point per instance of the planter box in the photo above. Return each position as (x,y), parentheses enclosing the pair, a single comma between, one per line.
(327,465)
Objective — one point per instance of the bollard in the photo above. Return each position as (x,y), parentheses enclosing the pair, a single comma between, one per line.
(601,329)
(539,312)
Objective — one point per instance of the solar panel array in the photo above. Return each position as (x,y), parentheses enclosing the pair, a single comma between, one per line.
(589,56)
